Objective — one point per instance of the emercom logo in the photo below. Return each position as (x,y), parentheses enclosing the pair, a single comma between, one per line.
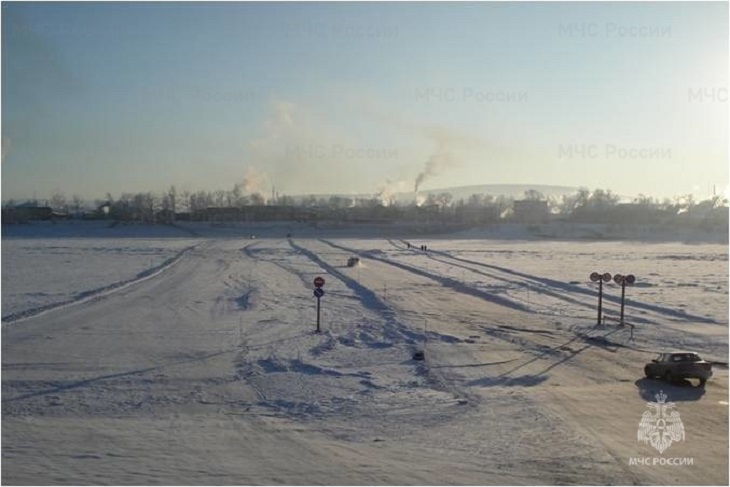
(661,425)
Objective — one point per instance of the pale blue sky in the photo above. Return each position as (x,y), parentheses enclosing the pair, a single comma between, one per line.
(354,97)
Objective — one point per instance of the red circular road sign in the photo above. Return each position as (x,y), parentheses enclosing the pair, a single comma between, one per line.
(606,277)
(618,279)
(318,281)
(630,279)
(595,276)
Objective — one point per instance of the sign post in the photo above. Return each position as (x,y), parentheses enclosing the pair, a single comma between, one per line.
(318,293)
(623,281)
(600,278)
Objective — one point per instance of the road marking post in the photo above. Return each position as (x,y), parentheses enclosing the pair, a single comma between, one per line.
(318,293)
(600,278)
(623,281)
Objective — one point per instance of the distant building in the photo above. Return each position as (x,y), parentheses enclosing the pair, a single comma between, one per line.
(635,213)
(30,211)
(477,215)
(530,211)
(254,213)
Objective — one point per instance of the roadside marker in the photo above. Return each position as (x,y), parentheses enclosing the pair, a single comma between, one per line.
(623,281)
(318,293)
(600,278)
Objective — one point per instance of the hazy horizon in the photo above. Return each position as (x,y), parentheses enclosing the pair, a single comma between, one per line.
(318,98)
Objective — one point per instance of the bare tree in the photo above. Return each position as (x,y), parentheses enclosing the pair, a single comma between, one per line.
(686,201)
(184,201)
(77,203)
(309,200)
(443,200)
(257,199)
(478,200)
(644,200)
(603,198)
(172,196)
(581,198)
(236,196)
(534,195)
(219,198)
(339,202)
(285,200)
(59,202)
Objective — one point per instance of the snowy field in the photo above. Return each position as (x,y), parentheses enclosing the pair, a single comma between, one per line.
(197,361)
(40,273)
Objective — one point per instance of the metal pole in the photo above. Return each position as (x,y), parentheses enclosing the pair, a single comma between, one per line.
(318,330)
(600,300)
(623,293)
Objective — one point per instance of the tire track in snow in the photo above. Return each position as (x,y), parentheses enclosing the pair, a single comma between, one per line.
(100,292)
(536,343)
(391,331)
(575,289)
(527,285)
(695,340)
(444,281)
(368,298)
(252,252)
(396,329)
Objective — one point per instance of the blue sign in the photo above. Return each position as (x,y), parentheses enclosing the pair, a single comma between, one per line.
(319,292)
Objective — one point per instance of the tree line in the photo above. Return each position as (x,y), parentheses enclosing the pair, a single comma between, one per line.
(598,205)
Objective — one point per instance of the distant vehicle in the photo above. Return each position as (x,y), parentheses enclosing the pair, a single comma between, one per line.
(353,261)
(679,365)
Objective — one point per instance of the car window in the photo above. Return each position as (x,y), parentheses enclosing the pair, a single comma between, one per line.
(677,358)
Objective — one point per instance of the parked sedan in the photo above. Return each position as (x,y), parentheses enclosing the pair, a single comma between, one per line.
(679,365)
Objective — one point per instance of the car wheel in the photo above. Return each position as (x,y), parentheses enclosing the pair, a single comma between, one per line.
(647,373)
(668,376)
(703,382)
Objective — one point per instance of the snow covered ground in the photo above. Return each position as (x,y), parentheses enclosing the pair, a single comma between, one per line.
(680,298)
(40,273)
(208,370)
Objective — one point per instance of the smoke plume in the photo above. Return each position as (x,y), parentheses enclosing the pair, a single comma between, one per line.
(439,161)
(295,146)
(255,181)
(443,157)
(386,193)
